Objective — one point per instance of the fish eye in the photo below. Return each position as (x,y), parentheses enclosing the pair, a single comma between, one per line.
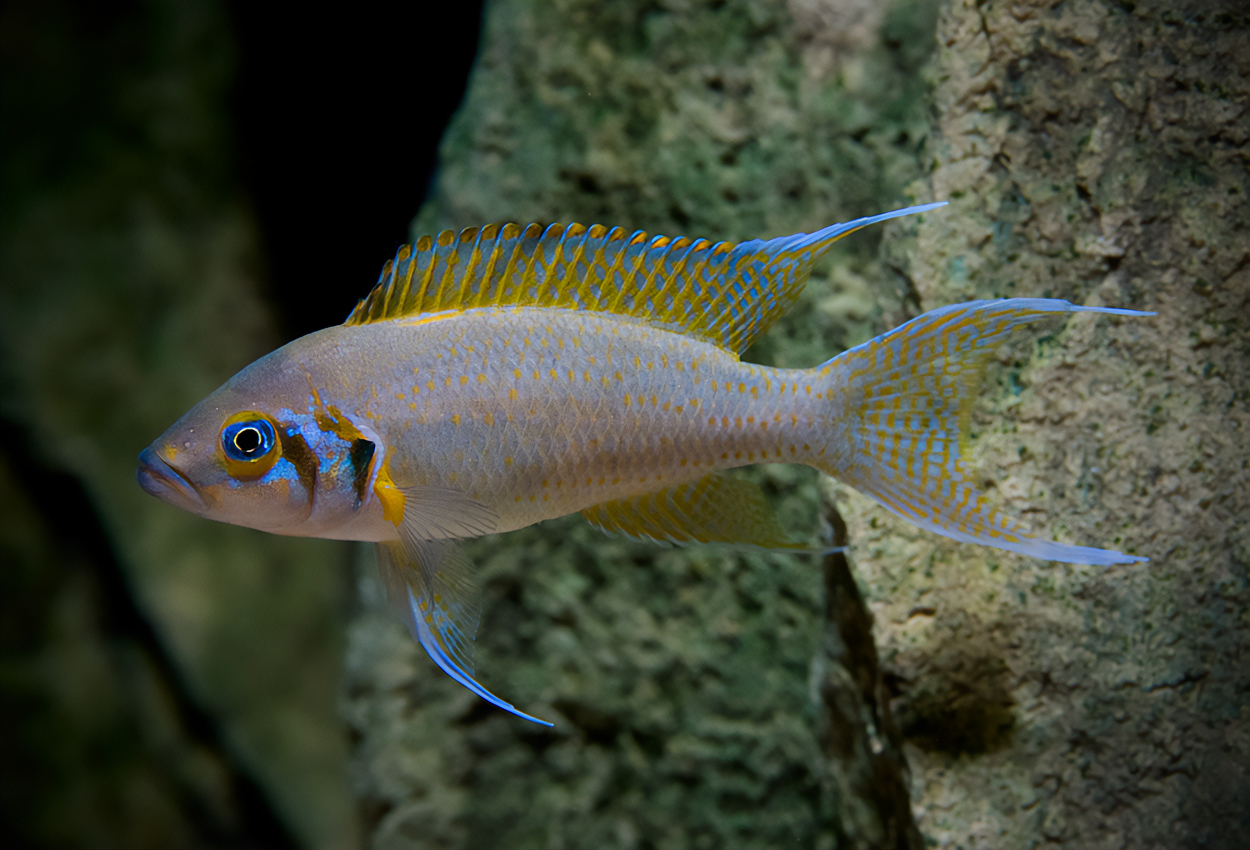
(248,440)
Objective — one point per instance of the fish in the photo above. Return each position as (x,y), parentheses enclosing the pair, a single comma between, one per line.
(499,376)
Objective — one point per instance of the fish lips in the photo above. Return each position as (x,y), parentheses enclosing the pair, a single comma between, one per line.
(161,479)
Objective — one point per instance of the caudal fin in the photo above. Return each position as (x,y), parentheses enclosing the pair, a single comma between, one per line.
(908,395)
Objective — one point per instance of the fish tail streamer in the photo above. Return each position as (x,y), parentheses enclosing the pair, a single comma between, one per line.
(906,399)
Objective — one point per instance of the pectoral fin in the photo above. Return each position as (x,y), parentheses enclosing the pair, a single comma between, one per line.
(715,509)
(432,584)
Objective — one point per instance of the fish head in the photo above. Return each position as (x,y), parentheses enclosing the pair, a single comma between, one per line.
(241,455)
(236,463)
(268,450)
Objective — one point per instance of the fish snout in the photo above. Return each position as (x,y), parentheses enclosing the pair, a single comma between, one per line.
(159,478)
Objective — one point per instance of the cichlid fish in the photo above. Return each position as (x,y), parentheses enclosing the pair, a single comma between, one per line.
(506,375)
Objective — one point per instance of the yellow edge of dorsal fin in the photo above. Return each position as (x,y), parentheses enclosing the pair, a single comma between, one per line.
(723,292)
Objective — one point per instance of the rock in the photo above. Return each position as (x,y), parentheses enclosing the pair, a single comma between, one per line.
(1096,153)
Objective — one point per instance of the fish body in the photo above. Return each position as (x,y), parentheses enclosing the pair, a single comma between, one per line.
(537,413)
(504,376)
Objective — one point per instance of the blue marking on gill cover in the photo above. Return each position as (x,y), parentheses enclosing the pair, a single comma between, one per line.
(283,470)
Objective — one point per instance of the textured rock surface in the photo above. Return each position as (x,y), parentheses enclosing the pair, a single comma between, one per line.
(129,292)
(699,697)
(1096,152)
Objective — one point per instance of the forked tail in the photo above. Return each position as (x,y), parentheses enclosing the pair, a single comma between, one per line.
(908,395)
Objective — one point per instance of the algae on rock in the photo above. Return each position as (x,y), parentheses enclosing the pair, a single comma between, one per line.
(692,689)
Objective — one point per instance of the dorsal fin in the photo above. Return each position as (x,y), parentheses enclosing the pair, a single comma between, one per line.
(721,292)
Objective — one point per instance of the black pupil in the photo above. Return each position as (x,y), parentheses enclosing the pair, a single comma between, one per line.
(248,440)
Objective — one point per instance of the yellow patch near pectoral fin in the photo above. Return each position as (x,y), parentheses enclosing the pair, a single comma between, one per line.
(715,509)
(390,497)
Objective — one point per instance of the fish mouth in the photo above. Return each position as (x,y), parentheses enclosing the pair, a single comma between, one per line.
(161,479)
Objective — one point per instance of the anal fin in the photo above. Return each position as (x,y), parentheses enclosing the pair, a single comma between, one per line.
(715,509)
(432,585)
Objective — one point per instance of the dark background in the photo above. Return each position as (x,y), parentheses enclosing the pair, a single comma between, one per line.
(338,111)
(334,119)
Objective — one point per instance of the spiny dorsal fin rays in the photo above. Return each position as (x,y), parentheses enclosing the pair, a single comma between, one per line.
(721,292)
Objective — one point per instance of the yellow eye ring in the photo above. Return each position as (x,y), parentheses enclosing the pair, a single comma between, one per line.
(249,444)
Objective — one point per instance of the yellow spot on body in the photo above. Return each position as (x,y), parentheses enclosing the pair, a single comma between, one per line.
(464,379)
(455,419)
(507,461)
(512,393)
(488,418)
(447,381)
(481,377)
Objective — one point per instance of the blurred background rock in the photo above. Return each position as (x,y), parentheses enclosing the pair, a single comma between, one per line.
(168,681)
(186,185)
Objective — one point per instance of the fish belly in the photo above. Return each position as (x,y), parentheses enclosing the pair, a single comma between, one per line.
(542,412)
